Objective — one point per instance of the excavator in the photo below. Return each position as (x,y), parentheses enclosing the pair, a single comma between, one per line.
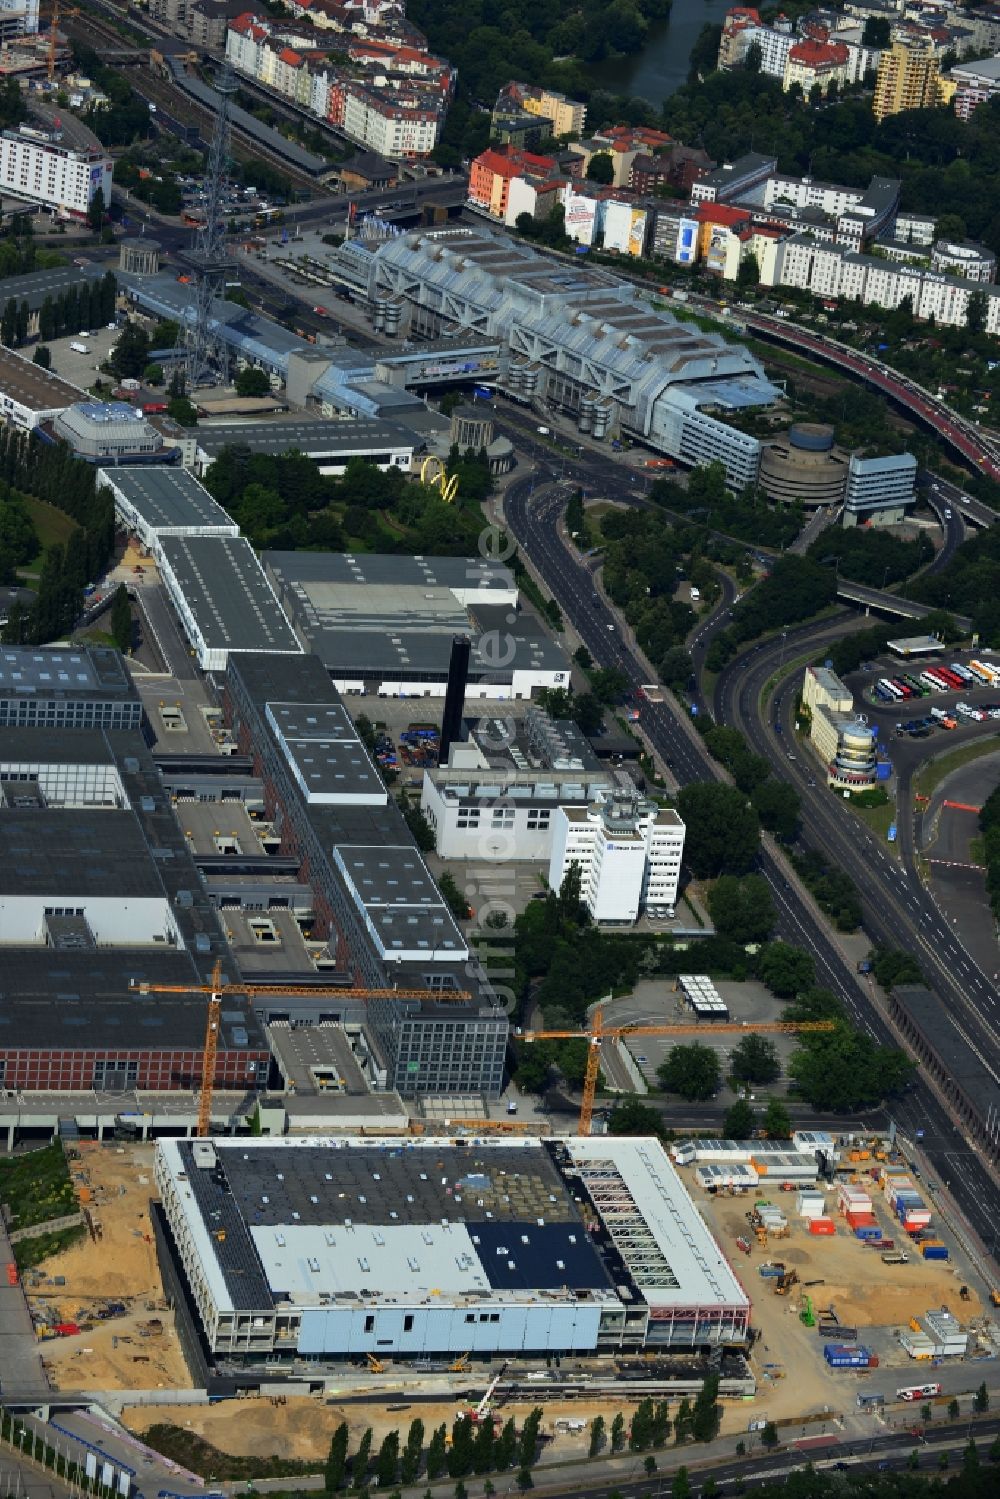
(784,1283)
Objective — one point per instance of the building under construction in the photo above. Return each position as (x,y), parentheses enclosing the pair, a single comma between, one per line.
(332,1248)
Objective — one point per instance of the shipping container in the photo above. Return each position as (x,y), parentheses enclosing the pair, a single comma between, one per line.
(822,1226)
(934,1251)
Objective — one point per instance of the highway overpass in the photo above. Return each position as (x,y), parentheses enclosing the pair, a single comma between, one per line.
(884,602)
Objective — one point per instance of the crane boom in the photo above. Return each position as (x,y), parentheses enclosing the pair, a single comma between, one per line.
(217,990)
(598,1033)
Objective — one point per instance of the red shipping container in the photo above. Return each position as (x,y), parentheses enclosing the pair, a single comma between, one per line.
(66,1329)
(822,1226)
(861,1220)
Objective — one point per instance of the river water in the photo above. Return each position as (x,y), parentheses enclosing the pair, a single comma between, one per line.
(662,66)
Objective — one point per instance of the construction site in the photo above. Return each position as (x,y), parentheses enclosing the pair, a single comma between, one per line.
(98,1307)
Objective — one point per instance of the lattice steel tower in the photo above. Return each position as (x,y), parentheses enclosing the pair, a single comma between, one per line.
(206,356)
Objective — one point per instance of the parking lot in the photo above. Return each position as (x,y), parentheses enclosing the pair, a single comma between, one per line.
(927,696)
(83,369)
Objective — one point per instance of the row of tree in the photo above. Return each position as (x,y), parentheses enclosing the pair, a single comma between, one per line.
(85,304)
(470,1448)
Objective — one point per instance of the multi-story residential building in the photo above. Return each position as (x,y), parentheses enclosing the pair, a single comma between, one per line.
(834,272)
(628,851)
(565,116)
(40,169)
(908,76)
(964,258)
(812,64)
(493,171)
(395,108)
(973,83)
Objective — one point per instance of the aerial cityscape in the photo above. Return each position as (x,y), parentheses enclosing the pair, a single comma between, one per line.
(499,748)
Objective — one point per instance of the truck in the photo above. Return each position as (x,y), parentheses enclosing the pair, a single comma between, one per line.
(895,1257)
(918,1392)
(79,348)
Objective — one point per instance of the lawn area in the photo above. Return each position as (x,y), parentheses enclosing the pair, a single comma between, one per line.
(192,1451)
(36,1186)
(935,772)
(40,1247)
(878,820)
(54,527)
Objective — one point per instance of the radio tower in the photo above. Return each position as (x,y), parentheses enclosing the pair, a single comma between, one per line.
(208,261)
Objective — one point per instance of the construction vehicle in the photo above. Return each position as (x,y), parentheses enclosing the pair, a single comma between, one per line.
(784,1283)
(596,1034)
(995,1298)
(460,1364)
(806,1315)
(375,1364)
(217,991)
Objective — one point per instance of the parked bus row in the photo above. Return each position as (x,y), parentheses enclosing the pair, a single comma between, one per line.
(951,678)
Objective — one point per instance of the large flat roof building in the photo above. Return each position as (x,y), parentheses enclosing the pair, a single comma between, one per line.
(577,338)
(386,623)
(336,1248)
(330,443)
(84,687)
(222,598)
(30,395)
(152,503)
(98,896)
(374,902)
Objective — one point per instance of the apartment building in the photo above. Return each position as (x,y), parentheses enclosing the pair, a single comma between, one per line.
(565,116)
(908,76)
(812,64)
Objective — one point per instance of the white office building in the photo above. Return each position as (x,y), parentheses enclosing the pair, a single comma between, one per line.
(629,853)
(38,168)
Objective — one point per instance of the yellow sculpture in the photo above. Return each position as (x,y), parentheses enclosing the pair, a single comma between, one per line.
(434,473)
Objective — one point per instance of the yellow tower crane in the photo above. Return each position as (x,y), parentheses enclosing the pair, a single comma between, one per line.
(217,991)
(597,1033)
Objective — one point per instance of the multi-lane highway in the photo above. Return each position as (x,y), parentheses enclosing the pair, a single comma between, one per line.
(532,509)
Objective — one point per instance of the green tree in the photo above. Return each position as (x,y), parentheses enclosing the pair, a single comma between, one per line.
(130,354)
(21,320)
(336,1463)
(601,168)
(252,382)
(121,618)
(953,1410)
(506,1445)
(723,832)
(786,970)
(755,1060)
(706,1414)
(631,1117)
(739,1121)
(42,357)
(641,1432)
(483,1457)
(981,1399)
(748,271)
(360,1460)
(183,411)
(777,1122)
(970,1457)
(691,1071)
(95,212)
(649,1465)
(846,1069)
(153,374)
(525,1480)
(412,1452)
(437,1453)
(676,668)
(778,805)
(618,1433)
(680,1487)
(597,1430)
(876,32)
(769,1435)
(976,313)
(742,909)
(528,1446)
(460,1453)
(387,1462)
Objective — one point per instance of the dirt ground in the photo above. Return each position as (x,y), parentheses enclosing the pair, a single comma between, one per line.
(302,1427)
(791,1376)
(119,1265)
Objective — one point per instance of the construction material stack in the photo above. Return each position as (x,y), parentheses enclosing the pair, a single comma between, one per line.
(906,1203)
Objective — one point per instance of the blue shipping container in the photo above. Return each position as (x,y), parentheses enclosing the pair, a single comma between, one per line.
(883,770)
(935,1251)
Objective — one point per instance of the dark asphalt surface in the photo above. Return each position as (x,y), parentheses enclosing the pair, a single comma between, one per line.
(532,518)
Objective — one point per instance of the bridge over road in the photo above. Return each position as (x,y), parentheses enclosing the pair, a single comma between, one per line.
(883,602)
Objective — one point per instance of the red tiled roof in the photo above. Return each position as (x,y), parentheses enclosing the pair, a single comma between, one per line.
(720,213)
(818,54)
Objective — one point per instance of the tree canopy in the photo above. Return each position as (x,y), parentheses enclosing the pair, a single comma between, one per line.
(742,909)
(691,1071)
(723,831)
